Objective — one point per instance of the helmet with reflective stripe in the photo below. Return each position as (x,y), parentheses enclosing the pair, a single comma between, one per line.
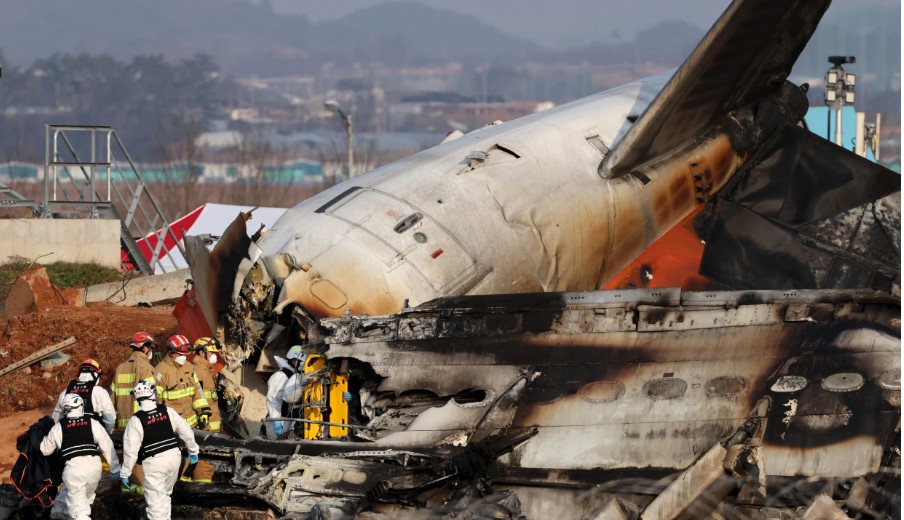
(143,390)
(73,405)
(179,344)
(90,365)
(142,339)
(208,344)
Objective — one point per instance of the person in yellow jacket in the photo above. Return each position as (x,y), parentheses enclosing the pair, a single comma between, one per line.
(206,354)
(137,368)
(178,386)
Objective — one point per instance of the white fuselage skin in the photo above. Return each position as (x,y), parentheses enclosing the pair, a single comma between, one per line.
(531,215)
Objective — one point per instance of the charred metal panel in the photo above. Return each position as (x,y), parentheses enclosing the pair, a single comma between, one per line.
(677,379)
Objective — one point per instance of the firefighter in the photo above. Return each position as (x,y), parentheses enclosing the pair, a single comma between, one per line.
(151,438)
(80,440)
(98,404)
(137,368)
(206,353)
(292,364)
(178,386)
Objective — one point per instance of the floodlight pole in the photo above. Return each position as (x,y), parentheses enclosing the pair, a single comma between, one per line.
(333,106)
(839,90)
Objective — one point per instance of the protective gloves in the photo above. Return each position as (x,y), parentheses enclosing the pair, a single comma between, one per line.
(347,396)
(277,428)
(124,482)
(114,476)
(192,459)
(204,418)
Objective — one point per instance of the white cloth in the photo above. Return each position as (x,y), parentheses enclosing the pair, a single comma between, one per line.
(161,471)
(80,474)
(100,400)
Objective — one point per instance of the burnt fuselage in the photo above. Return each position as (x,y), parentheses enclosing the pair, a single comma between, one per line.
(611,385)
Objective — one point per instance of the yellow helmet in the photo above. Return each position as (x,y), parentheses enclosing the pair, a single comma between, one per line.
(208,344)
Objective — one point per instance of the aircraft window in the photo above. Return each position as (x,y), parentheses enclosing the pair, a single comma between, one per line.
(788,384)
(843,382)
(725,387)
(602,391)
(890,380)
(665,388)
(470,396)
(407,222)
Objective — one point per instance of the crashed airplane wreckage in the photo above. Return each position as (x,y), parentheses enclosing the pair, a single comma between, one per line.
(455,296)
(646,402)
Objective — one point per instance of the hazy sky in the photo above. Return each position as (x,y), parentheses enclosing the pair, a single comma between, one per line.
(557,24)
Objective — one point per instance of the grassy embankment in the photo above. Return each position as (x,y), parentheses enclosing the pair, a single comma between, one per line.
(61,274)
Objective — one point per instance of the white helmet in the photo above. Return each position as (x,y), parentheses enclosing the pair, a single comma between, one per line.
(295,353)
(143,390)
(73,406)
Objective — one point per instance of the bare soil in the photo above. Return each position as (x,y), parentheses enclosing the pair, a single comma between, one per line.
(101,331)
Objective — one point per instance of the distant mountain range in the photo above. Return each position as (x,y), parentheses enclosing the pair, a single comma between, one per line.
(245,38)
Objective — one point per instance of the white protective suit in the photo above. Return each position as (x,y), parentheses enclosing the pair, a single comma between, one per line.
(161,471)
(100,401)
(80,474)
(276,390)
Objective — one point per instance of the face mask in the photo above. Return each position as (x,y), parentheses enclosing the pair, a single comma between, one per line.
(147,405)
(212,359)
(180,360)
(85,377)
(150,355)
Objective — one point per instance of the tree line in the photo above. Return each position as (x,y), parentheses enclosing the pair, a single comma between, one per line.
(148,100)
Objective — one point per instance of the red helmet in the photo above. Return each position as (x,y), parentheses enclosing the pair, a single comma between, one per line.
(179,344)
(89,365)
(142,339)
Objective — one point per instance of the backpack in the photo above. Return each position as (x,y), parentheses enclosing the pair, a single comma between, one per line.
(35,476)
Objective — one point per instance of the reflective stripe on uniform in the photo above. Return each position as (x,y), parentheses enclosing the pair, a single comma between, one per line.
(173,395)
(215,426)
(210,395)
(199,403)
(192,420)
(125,383)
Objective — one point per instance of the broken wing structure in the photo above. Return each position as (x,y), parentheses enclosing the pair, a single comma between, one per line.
(451,366)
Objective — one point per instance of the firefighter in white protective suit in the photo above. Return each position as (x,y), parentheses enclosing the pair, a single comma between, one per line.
(80,440)
(97,401)
(151,438)
(289,366)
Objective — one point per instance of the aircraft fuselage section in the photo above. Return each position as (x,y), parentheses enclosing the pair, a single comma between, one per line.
(516,207)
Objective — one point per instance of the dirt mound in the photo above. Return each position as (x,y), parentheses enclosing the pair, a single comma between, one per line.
(101,331)
(32,291)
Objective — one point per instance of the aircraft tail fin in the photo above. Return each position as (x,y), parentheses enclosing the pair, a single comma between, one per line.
(746,56)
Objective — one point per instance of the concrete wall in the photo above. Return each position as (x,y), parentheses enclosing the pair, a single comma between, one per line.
(70,240)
